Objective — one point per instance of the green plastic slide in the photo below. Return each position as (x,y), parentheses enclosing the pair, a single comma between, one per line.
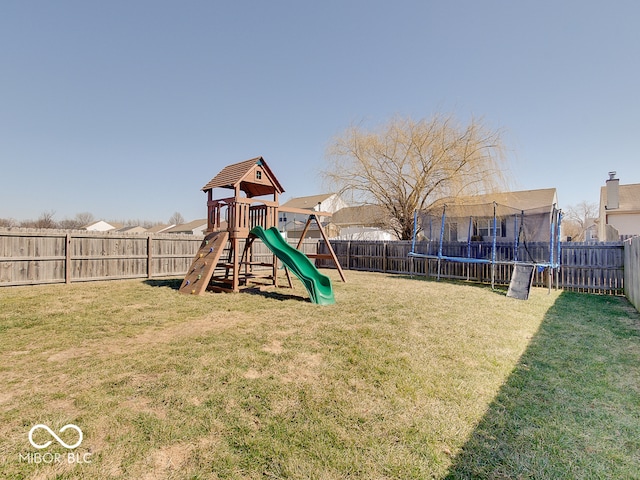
(317,284)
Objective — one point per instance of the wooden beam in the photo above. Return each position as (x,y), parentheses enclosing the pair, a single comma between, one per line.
(331,252)
(306,229)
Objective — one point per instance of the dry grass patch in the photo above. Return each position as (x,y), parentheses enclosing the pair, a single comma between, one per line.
(390,382)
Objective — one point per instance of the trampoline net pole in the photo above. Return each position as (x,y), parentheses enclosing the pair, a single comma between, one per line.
(493,248)
(444,215)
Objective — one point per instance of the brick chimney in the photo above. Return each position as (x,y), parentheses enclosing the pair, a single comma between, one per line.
(613,196)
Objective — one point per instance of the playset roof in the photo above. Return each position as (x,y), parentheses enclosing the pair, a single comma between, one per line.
(243,175)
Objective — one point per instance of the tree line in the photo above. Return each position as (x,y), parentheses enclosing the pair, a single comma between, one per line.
(80,220)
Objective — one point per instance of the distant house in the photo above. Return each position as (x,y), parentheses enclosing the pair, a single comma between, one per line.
(295,228)
(525,214)
(292,224)
(132,229)
(326,202)
(364,222)
(591,230)
(102,226)
(195,227)
(160,228)
(619,210)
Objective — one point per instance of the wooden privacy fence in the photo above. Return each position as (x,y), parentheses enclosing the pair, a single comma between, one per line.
(632,270)
(585,267)
(29,257)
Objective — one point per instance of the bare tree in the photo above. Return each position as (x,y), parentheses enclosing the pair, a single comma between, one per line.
(7,222)
(408,165)
(45,220)
(176,219)
(79,221)
(67,224)
(578,218)
(84,218)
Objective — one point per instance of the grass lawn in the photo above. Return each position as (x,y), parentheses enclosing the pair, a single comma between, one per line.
(401,378)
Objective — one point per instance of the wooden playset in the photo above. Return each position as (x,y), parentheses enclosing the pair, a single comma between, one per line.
(225,260)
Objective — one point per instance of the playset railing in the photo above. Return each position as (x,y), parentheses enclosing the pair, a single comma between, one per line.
(242,214)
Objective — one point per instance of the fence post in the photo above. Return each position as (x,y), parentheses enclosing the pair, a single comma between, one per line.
(67,258)
(149,258)
(384,257)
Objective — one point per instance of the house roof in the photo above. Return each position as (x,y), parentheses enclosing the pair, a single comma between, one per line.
(159,228)
(628,197)
(114,225)
(309,202)
(188,227)
(363,215)
(132,229)
(242,175)
(508,203)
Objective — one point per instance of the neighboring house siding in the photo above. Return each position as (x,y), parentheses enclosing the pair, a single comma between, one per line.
(619,210)
(364,233)
(364,222)
(332,204)
(625,223)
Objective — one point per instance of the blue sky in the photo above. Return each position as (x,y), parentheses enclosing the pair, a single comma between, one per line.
(126,108)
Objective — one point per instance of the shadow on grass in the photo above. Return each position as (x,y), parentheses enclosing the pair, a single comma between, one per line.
(173,283)
(275,295)
(570,408)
